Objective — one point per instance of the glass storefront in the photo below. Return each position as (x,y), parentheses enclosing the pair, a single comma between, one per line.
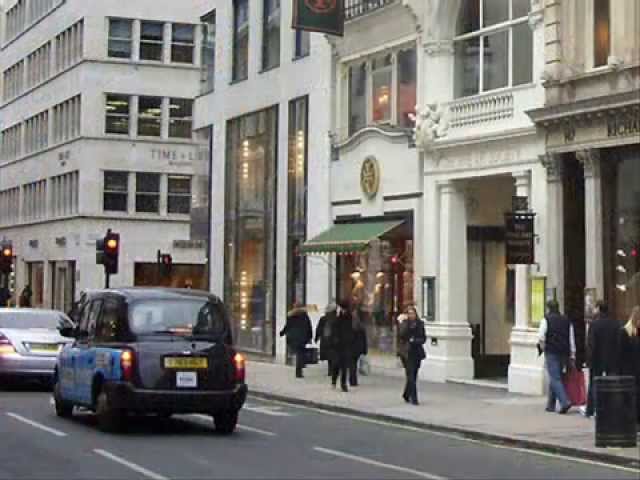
(182,276)
(297,201)
(621,194)
(63,283)
(250,228)
(379,283)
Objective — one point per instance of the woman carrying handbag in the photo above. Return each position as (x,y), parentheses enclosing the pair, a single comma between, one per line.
(411,338)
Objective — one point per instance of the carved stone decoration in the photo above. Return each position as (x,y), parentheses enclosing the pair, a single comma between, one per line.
(407,4)
(590,160)
(435,48)
(554,165)
(431,124)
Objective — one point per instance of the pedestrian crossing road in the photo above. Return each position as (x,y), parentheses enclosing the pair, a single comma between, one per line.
(273,440)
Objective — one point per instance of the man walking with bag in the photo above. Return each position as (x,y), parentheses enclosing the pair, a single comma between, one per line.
(557,339)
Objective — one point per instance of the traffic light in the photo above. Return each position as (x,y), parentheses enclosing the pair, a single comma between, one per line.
(166,264)
(107,252)
(6,258)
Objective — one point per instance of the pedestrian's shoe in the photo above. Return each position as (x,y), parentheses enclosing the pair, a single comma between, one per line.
(549,409)
(406,397)
(565,409)
(344,388)
(585,413)
(414,401)
(354,384)
(299,375)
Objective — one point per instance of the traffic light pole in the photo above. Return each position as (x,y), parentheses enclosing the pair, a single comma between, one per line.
(107,279)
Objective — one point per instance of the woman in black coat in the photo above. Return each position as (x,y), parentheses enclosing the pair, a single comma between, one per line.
(342,340)
(323,335)
(631,353)
(299,332)
(411,338)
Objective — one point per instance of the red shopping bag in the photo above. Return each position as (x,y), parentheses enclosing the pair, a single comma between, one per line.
(574,384)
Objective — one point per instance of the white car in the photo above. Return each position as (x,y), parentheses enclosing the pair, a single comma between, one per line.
(30,342)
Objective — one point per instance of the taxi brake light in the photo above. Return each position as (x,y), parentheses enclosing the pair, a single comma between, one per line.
(238,363)
(126,365)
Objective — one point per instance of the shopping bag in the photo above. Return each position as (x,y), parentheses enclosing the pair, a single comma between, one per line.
(364,367)
(574,384)
(310,355)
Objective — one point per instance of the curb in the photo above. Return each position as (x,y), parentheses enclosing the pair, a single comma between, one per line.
(501,440)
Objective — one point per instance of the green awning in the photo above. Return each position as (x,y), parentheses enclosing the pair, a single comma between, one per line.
(348,237)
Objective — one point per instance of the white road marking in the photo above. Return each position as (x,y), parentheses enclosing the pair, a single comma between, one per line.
(44,428)
(272,411)
(375,463)
(454,436)
(241,427)
(130,465)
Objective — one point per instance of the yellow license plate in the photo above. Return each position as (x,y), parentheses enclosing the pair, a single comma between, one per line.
(43,347)
(185,362)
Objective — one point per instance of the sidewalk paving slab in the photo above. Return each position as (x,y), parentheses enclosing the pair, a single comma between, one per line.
(475,412)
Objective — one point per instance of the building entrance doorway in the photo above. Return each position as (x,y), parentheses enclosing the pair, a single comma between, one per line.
(491,300)
(574,249)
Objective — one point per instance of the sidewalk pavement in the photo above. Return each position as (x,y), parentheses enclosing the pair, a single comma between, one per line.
(476,412)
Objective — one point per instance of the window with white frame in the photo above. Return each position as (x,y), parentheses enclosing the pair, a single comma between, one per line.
(64,194)
(180,118)
(150,116)
(38,65)
(182,43)
(36,133)
(120,38)
(493,46)
(148,192)
(13,81)
(601,32)
(11,143)
(382,89)
(116,191)
(69,46)
(207,79)
(117,114)
(66,120)
(10,206)
(151,41)
(179,194)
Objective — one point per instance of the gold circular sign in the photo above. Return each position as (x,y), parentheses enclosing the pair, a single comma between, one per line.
(370,177)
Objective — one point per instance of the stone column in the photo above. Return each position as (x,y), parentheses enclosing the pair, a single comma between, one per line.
(526,374)
(450,336)
(590,159)
(555,225)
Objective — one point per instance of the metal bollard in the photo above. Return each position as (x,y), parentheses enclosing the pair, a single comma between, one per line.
(616,414)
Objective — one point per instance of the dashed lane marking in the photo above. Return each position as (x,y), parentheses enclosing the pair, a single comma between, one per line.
(375,463)
(272,411)
(37,425)
(132,466)
(240,427)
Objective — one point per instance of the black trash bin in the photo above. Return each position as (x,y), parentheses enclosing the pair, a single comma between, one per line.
(616,412)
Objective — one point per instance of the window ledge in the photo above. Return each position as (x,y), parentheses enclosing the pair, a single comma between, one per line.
(145,63)
(298,58)
(384,130)
(238,80)
(269,69)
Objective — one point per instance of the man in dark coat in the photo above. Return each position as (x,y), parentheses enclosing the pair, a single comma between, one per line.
(604,344)
(323,335)
(299,332)
(5,296)
(342,337)
(360,347)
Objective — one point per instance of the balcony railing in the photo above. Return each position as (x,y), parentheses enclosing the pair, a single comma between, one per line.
(357,8)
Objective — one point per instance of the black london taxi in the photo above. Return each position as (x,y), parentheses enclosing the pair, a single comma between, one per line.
(150,350)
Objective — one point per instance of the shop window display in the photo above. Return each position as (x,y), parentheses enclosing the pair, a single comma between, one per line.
(250,228)
(380,284)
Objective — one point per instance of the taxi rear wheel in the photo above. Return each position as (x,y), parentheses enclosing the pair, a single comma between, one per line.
(226,422)
(109,419)
(63,409)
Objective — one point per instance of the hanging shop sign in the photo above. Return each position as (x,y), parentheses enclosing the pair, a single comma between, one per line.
(323,16)
(370,177)
(520,238)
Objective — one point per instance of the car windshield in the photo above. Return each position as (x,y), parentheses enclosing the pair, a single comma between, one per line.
(26,320)
(192,317)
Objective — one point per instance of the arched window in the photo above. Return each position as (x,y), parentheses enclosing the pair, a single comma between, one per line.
(493,46)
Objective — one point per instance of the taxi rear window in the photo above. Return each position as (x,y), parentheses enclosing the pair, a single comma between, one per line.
(189,317)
